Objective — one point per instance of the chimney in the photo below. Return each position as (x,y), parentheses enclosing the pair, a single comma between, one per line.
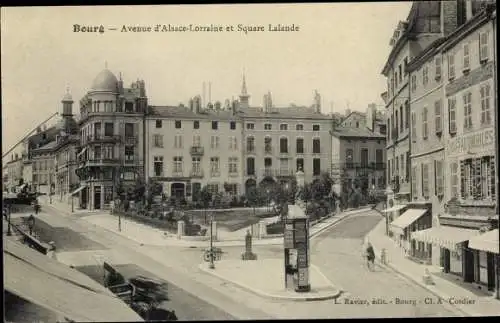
(468,10)
(197,104)
(191,105)
(235,107)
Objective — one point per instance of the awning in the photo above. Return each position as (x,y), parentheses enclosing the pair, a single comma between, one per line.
(394,208)
(444,236)
(406,219)
(78,190)
(46,282)
(487,241)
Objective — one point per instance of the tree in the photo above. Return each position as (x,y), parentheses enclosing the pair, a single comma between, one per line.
(206,198)
(254,197)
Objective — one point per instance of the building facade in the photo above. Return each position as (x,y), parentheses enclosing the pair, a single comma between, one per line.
(14,168)
(111,128)
(277,142)
(193,147)
(358,159)
(43,168)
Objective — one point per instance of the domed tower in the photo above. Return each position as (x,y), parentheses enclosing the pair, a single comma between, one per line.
(67,125)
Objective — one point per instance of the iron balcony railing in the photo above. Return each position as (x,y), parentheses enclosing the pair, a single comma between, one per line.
(196,173)
(368,166)
(102,138)
(276,172)
(197,150)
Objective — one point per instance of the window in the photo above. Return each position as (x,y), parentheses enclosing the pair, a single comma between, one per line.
(129,107)
(178,124)
(158,165)
(214,142)
(388,128)
(299,145)
(379,158)
(196,166)
(250,126)
(349,156)
(316,166)
(402,168)
(454,180)
(268,162)
(357,124)
(407,115)
(196,125)
(233,165)
(215,125)
(299,127)
(250,144)
(283,126)
(316,127)
(389,170)
(451,66)
(178,141)
(396,79)
(437,63)
(425,181)
(233,143)
(466,61)
(158,141)
(413,82)
(414,182)
(300,164)
(438,178)
(467,97)
(268,145)
(250,166)
(425,76)
(129,130)
(364,157)
(232,125)
(396,163)
(485,105)
(214,166)
(283,145)
(408,165)
(284,166)
(196,141)
(400,74)
(316,146)
(213,188)
(97,154)
(477,176)
(438,116)
(268,126)
(396,118)
(401,125)
(177,165)
(425,128)
(158,123)
(97,130)
(483,47)
(109,129)
(452,115)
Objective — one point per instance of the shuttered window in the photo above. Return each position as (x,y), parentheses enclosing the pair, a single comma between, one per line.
(454,180)
(478,178)
(438,116)
(452,115)
(425,181)
(438,178)
(414,182)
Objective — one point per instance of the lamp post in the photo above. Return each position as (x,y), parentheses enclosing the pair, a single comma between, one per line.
(268,200)
(212,265)
(9,232)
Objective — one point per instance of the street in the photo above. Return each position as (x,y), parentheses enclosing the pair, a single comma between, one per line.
(197,295)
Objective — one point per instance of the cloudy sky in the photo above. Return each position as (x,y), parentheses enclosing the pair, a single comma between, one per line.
(339,50)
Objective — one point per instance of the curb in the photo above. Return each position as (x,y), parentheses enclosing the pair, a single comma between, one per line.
(332,295)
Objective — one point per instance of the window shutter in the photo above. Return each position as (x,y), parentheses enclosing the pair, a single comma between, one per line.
(438,119)
(483,46)
(435,178)
(422,179)
(492,178)
(451,66)
(438,68)
(477,178)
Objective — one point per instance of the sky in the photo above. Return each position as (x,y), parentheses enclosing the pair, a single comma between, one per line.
(339,50)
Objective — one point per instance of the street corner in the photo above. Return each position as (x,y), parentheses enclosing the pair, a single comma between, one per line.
(265,278)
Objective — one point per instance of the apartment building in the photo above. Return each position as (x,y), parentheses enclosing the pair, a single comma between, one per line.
(279,141)
(43,168)
(358,159)
(111,126)
(468,135)
(192,147)
(66,180)
(426,22)
(14,168)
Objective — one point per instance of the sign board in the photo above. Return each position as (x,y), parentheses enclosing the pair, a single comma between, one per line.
(288,236)
(303,274)
(300,232)
(483,139)
(301,256)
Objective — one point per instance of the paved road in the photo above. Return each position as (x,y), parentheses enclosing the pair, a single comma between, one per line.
(338,252)
(197,302)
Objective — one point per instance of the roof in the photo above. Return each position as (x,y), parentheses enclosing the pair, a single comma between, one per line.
(105,81)
(427,53)
(186,113)
(51,145)
(345,132)
(283,113)
(44,281)
(37,138)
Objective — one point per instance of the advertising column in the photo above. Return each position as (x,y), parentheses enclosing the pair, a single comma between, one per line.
(302,247)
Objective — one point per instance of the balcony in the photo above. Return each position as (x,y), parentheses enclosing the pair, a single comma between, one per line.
(250,149)
(177,173)
(98,162)
(284,154)
(233,174)
(197,151)
(277,172)
(100,138)
(131,140)
(196,173)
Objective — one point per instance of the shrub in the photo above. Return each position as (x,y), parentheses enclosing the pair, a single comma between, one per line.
(275,228)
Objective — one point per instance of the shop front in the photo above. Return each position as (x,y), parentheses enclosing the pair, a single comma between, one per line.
(391,214)
(485,248)
(402,228)
(455,258)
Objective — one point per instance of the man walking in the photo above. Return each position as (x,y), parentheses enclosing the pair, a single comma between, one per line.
(370,256)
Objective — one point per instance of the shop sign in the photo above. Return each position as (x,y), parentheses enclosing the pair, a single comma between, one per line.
(300,232)
(288,237)
(301,256)
(303,274)
(472,141)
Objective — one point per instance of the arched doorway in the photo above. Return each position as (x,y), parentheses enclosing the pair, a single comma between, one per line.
(267,183)
(249,184)
(178,190)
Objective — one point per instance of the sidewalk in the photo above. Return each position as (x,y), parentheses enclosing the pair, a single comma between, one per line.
(449,292)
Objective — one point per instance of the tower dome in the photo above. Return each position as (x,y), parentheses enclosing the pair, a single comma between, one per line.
(105,81)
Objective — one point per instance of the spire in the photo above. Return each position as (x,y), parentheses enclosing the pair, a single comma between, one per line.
(244,86)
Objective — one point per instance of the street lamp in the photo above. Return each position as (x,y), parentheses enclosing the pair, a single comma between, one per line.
(9,233)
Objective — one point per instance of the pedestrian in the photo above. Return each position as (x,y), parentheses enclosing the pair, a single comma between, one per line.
(370,256)
(31,223)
